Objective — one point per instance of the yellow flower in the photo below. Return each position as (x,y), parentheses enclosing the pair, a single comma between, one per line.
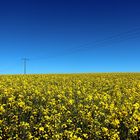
(135,129)
(105,130)
(116,122)
(1,122)
(21,104)
(85,136)
(2,110)
(89,97)
(136,106)
(115,137)
(25,124)
(11,99)
(71,101)
(41,128)
(30,136)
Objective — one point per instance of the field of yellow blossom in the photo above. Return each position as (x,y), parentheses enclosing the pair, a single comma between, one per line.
(70,107)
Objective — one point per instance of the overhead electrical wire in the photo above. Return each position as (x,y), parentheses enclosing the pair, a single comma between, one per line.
(123,36)
(103,43)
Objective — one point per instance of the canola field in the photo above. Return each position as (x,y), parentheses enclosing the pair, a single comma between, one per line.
(70,107)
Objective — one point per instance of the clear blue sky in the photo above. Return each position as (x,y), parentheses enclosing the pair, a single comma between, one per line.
(70,36)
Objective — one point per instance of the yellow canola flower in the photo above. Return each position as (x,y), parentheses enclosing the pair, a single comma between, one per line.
(30,136)
(105,130)
(71,106)
(135,129)
(85,136)
(1,122)
(2,110)
(78,92)
(136,106)
(75,138)
(112,106)
(90,97)
(71,101)
(25,124)
(115,137)
(21,104)
(6,92)
(41,128)
(116,122)
(11,99)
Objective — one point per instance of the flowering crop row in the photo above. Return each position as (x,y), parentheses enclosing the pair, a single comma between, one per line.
(70,107)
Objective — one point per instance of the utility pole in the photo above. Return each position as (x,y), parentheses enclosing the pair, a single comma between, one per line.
(24,64)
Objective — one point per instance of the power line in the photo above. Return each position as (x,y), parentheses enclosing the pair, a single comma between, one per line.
(117,38)
(127,35)
(123,36)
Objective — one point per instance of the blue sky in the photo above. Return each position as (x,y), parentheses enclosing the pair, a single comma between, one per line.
(70,36)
